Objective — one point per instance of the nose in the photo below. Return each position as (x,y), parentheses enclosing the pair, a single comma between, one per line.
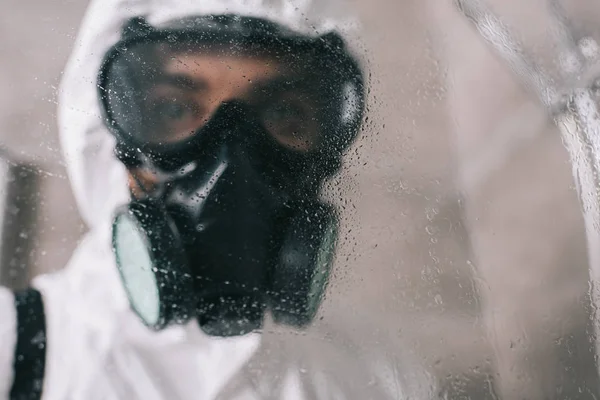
(228,92)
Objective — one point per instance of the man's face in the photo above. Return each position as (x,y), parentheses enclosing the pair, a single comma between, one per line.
(192,85)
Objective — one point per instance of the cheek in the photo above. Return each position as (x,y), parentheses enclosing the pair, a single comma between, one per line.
(141,182)
(135,189)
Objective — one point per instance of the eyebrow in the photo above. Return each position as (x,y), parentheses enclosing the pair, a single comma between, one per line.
(182,81)
(282,83)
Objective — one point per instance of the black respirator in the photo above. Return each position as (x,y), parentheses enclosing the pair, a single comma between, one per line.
(235,227)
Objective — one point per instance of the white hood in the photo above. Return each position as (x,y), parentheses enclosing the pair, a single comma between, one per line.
(98,178)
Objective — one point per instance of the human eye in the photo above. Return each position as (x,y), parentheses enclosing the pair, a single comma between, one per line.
(285,110)
(291,120)
(172,118)
(172,110)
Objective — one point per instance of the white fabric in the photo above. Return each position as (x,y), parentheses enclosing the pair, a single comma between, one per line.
(8,340)
(97,348)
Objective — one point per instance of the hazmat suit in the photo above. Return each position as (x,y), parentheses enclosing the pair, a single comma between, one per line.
(79,339)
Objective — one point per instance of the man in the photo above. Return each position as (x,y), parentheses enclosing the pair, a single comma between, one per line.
(198,137)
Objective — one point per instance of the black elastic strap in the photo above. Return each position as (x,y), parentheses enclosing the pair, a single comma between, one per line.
(30,352)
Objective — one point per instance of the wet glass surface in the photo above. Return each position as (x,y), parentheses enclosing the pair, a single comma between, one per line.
(466,206)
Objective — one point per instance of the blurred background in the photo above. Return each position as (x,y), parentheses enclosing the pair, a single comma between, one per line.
(464,241)
(37,37)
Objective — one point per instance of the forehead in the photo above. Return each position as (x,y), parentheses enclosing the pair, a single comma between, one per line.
(219,66)
(246,55)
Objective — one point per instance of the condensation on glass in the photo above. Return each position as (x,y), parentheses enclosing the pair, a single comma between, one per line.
(467,208)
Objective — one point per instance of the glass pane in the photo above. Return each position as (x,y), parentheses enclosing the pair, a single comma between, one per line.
(398,199)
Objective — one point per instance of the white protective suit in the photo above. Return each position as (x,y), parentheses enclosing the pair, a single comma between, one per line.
(96,348)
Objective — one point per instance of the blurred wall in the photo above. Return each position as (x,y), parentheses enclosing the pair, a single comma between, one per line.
(36,38)
(466,225)
(522,211)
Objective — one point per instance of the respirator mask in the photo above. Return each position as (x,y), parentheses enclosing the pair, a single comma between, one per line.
(234,226)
